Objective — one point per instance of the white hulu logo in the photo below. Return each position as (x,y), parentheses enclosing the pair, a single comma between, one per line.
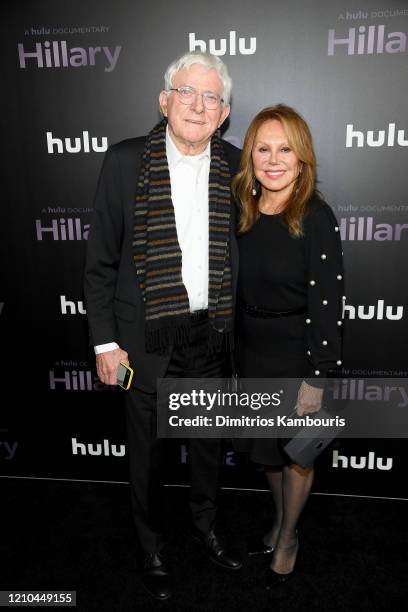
(369,463)
(375,138)
(72,307)
(80,144)
(373,312)
(221,48)
(105,448)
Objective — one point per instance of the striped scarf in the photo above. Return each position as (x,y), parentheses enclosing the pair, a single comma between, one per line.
(158,257)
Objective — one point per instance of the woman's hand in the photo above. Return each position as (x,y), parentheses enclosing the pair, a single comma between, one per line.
(309,399)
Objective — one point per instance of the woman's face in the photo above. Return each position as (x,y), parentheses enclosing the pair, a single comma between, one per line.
(275,165)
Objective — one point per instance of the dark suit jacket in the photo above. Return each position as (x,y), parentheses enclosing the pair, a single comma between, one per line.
(113,298)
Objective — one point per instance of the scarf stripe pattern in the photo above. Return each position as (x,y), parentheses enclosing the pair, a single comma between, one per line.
(157,254)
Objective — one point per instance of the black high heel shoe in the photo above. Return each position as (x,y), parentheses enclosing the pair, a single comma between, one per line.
(260,549)
(274,579)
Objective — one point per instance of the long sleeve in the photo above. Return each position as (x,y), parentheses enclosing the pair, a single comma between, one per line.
(325,278)
(103,252)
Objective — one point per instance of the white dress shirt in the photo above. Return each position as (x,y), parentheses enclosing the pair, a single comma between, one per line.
(189,193)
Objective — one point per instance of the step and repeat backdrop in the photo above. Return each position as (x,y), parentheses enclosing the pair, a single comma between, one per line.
(80,76)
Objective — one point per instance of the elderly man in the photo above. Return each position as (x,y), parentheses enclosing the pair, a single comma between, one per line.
(159,285)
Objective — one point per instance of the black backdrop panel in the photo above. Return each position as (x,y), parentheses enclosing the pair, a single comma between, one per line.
(80,76)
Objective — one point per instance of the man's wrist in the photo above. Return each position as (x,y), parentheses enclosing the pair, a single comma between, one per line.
(104,348)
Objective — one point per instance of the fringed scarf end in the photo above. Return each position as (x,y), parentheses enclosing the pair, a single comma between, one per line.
(160,340)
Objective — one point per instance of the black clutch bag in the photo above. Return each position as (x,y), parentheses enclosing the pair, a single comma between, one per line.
(307,444)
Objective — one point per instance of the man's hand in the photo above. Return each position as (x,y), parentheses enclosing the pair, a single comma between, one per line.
(107,365)
(309,399)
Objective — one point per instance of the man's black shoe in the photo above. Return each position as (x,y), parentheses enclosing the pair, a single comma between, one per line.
(155,577)
(217,550)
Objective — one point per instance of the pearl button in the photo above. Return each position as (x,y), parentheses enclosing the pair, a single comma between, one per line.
(324,342)
(308,321)
(325,302)
(339,277)
(336,229)
(339,362)
(344,297)
(323,256)
(312,282)
(339,323)
(317,372)
(309,353)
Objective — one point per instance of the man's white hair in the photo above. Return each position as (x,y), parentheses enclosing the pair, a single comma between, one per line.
(205,59)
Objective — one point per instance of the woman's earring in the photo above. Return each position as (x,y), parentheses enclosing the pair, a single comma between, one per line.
(254,187)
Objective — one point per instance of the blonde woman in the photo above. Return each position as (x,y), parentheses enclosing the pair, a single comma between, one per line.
(290,291)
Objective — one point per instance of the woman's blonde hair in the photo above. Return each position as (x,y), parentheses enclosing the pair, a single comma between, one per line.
(300,141)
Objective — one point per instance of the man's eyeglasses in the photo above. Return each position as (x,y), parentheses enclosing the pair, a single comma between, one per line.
(188,95)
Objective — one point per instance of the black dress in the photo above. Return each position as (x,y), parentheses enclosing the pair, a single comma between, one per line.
(278,272)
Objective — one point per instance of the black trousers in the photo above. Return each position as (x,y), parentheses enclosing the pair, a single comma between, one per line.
(145,449)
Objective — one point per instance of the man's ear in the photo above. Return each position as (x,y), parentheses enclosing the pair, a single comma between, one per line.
(225,112)
(163,103)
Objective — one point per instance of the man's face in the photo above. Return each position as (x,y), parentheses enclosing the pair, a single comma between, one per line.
(192,125)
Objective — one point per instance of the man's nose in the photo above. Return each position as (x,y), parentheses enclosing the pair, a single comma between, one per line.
(198,104)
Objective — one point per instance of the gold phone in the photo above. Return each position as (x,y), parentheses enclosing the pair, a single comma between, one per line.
(124,376)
